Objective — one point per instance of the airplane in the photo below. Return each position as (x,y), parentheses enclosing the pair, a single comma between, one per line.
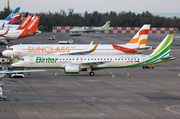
(30,30)
(2,73)
(89,29)
(136,45)
(12,24)
(10,16)
(14,19)
(73,64)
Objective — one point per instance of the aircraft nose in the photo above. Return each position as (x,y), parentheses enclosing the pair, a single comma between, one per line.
(4,53)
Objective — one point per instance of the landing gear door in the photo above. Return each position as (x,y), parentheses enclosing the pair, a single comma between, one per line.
(31,60)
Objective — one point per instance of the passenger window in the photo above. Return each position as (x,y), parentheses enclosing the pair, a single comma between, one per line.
(10,48)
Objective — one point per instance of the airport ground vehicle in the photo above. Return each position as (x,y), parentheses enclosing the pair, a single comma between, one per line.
(4,61)
(70,41)
(149,66)
(52,38)
(3,42)
(21,74)
(74,34)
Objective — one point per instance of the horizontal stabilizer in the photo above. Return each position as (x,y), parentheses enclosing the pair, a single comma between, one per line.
(144,48)
(169,57)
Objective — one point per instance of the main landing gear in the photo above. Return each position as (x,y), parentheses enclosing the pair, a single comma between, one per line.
(91,73)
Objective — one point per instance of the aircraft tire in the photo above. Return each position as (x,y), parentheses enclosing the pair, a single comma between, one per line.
(91,73)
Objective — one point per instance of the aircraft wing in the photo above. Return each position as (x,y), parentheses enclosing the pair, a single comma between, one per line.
(93,63)
(83,52)
(19,71)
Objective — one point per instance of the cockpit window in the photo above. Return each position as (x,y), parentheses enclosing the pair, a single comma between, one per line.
(10,48)
(22,59)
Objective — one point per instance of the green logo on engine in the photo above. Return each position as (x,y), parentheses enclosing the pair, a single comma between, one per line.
(46,60)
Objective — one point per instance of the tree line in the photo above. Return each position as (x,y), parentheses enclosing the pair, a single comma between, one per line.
(121,19)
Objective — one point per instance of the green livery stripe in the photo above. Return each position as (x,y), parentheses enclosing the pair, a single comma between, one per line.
(16,61)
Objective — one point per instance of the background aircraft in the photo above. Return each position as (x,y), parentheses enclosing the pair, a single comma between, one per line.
(73,64)
(12,24)
(89,29)
(30,30)
(10,16)
(136,45)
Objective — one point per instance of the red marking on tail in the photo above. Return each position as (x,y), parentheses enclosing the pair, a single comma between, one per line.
(24,24)
(144,32)
(30,30)
(14,20)
(123,49)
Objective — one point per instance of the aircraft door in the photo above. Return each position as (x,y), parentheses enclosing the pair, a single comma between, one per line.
(143,59)
(31,60)
(19,51)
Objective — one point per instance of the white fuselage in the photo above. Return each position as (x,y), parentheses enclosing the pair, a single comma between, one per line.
(58,49)
(60,61)
(12,34)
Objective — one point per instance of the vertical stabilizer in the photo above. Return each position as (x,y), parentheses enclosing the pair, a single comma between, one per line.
(141,36)
(12,14)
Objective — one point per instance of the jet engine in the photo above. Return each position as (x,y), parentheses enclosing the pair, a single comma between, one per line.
(72,69)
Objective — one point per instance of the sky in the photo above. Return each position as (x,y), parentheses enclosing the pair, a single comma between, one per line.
(102,6)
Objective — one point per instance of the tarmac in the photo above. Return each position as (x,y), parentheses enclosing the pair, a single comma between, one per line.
(143,94)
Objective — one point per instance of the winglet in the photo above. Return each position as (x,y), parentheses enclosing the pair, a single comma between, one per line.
(95,47)
(5,32)
(2,27)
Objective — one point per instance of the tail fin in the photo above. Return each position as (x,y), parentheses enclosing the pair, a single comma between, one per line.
(32,26)
(25,23)
(141,36)
(12,14)
(14,19)
(22,18)
(30,30)
(106,26)
(34,16)
(163,48)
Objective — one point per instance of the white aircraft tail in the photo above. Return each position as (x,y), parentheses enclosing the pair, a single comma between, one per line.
(141,36)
